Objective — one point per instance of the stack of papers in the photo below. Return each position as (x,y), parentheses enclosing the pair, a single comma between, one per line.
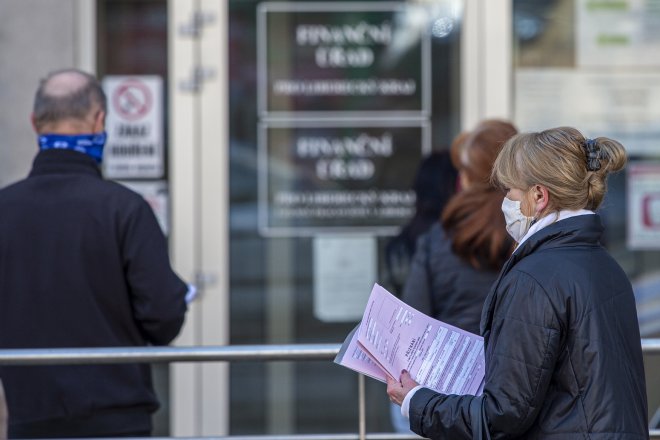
(393,336)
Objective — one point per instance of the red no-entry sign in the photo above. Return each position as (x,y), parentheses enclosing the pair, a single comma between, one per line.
(132,100)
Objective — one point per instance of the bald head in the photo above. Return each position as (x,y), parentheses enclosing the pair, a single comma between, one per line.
(67,97)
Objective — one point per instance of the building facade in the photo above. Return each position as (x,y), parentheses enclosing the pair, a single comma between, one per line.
(278,141)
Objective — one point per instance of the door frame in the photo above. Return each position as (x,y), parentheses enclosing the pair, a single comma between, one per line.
(199,179)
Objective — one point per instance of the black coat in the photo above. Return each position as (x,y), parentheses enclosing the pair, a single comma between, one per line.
(442,285)
(83,263)
(563,352)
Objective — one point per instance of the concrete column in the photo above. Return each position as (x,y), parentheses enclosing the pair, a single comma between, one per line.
(35,38)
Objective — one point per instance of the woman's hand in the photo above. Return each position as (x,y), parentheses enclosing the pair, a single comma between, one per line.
(397,390)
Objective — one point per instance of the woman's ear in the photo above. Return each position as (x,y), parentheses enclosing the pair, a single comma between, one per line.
(541,198)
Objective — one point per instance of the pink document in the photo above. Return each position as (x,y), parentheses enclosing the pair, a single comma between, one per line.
(393,336)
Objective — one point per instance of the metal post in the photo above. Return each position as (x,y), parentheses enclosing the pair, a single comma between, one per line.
(362,428)
(4,417)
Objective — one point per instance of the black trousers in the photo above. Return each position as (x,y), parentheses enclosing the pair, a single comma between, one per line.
(101,425)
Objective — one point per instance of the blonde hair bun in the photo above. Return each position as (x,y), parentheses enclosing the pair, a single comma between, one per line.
(573,168)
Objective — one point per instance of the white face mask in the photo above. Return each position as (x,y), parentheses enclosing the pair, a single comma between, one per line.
(517,223)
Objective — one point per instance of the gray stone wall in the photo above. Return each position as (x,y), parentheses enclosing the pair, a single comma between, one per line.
(36,36)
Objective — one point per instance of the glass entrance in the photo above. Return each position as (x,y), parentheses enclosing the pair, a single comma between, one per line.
(332,106)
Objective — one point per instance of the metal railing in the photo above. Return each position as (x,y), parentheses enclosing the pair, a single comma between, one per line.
(119,355)
(231,353)
(219,353)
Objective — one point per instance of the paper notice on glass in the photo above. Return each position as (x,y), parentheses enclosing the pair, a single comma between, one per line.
(622,105)
(643,200)
(393,336)
(620,33)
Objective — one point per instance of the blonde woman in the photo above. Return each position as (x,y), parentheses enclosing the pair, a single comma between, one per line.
(563,353)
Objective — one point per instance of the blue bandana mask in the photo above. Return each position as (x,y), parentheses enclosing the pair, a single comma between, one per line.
(89,144)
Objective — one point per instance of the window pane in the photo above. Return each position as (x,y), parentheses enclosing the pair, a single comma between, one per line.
(594,65)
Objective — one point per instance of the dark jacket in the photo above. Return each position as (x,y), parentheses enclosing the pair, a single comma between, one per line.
(563,352)
(83,263)
(442,285)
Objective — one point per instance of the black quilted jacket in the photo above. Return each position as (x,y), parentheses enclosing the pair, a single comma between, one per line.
(442,285)
(563,353)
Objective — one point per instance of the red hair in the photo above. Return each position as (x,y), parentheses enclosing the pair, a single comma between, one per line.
(473,218)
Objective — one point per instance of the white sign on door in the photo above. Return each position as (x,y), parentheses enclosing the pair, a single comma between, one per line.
(643,194)
(344,273)
(135,127)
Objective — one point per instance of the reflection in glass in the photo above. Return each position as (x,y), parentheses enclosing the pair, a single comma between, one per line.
(341,97)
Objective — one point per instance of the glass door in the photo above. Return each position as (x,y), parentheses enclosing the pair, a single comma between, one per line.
(331,107)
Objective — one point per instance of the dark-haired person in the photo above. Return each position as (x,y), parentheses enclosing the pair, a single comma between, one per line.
(458,260)
(562,344)
(435,183)
(83,263)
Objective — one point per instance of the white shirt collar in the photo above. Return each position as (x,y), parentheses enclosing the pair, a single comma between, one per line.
(551,218)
